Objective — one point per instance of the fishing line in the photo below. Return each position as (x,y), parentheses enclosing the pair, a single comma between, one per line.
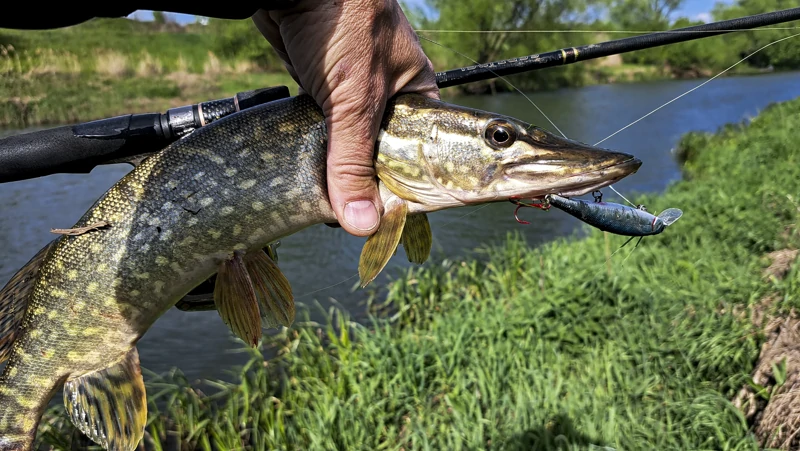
(660,107)
(696,87)
(465,215)
(606,31)
(502,78)
(356,274)
(632,123)
(526,97)
(328,287)
(611,187)
(564,135)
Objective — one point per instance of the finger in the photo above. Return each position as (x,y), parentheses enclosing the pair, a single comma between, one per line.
(271,31)
(352,186)
(424,82)
(416,74)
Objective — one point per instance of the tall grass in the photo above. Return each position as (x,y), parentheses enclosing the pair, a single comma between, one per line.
(533,348)
(108,67)
(46,86)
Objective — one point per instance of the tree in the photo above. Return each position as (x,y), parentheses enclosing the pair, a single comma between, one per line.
(783,55)
(643,14)
(241,39)
(498,20)
(159,17)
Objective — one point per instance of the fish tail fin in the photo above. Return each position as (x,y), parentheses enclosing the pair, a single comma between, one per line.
(24,395)
(14,299)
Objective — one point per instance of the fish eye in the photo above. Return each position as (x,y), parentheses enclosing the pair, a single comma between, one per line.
(500,134)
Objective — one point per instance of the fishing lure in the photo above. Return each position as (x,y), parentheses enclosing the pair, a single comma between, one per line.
(608,216)
(616,218)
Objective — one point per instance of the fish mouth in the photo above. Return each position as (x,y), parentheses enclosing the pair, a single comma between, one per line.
(555,177)
(608,176)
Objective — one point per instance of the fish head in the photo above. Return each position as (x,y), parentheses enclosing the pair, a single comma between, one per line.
(443,156)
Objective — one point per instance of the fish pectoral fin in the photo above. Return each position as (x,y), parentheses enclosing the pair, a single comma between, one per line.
(272,288)
(417,239)
(14,300)
(110,406)
(236,300)
(382,244)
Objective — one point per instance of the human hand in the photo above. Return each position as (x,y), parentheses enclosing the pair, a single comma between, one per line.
(350,56)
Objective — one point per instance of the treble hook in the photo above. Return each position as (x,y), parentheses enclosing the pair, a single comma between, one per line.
(542,205)
(519,205)
(597,197)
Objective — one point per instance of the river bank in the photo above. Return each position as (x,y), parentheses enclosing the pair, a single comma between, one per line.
(534,348)
(52,97)
(52,87)
(320,262)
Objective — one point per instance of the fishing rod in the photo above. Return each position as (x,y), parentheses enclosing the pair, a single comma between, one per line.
(77,149)
(573,55)
(80,148)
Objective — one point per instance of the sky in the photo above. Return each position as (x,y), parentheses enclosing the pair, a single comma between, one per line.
(693,9)
(699,9)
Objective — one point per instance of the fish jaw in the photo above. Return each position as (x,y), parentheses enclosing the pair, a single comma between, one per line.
(583,183)
(438,156)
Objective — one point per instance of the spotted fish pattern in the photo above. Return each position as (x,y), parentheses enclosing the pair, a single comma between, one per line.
(74,314)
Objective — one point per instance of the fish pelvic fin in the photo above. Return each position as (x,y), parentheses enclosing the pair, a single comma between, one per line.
(14,300)
(382,244)
(271,287)
(236,300)
(110,406)
(417,239)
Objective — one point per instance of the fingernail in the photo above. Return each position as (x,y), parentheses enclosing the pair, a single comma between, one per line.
(361,214)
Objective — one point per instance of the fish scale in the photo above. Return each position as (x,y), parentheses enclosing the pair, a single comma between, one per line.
(213,200)
(114,284)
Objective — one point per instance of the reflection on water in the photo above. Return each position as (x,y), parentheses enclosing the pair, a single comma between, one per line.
(318,259)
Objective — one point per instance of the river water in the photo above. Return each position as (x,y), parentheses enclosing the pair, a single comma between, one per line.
(317,260)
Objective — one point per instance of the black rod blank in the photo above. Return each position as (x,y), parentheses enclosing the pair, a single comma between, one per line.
(572,55)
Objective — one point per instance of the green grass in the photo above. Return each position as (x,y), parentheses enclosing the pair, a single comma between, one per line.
(58,98)
(105,68)
(129,37)
(108,67)
(534,348)
(625,73)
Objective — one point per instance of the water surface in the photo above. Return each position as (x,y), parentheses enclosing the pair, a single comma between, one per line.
(317,260)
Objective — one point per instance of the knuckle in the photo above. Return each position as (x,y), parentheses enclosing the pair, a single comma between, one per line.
(352,171)
(352,180)
(354,121)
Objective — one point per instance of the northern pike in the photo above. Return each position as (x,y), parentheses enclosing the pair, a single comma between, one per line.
(209,204)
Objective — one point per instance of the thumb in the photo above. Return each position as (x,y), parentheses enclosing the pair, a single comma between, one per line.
(352,185)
